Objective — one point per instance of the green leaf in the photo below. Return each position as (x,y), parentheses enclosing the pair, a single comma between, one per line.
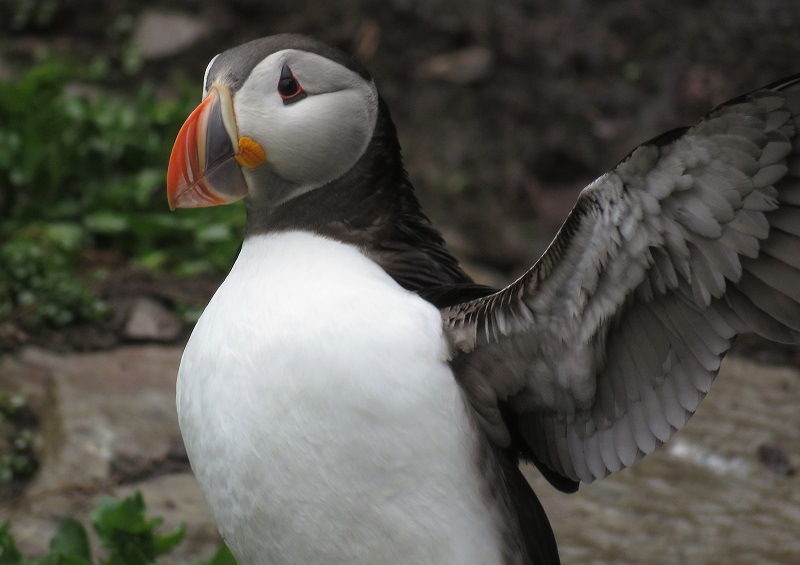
(153,260)
(71,540)
(68,235)
(165,544)
(194,268)
(215,233)
(223,556)
(156,225)
(9,555)
(130,536)
(126,515)
(106,223)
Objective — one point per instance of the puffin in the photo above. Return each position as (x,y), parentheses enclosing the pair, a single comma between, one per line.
(351,396)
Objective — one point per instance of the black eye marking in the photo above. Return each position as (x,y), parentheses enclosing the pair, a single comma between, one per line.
(288,87)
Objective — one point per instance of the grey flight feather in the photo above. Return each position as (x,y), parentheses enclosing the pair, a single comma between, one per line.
(607,345)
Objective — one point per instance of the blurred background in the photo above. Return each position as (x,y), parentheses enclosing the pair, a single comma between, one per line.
(505,110)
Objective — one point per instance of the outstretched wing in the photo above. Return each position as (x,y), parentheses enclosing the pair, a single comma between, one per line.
(607,345)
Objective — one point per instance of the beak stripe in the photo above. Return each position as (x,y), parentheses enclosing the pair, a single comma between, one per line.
(188,172)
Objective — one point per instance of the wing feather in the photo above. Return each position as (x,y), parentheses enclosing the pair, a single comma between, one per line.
(624,441)
(783,247)
(675,413)
(791,195)
(608,344)
(645,439)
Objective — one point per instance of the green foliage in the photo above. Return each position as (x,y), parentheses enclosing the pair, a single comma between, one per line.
(37,285)
(63,154)
(9,554)
(17,460)
(74,153)
(31,13)
(128,535)
(81,166)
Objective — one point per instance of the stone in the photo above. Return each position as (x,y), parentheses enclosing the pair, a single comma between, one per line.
(774,458)
(461,67)
(160,34)
(149,320)
(108,425)
(106,405)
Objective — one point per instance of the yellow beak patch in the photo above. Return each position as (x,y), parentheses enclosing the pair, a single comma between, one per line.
(251,154)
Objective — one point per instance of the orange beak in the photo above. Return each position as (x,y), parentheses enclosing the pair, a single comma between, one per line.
(206,160)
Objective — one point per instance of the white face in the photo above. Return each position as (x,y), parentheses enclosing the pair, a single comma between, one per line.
(309,140)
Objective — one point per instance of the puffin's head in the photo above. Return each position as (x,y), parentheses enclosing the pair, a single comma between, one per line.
(280,116)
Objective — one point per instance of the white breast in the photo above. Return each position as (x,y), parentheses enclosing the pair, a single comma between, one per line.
(321,418)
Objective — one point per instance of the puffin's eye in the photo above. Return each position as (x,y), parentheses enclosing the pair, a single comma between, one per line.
(288,87)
